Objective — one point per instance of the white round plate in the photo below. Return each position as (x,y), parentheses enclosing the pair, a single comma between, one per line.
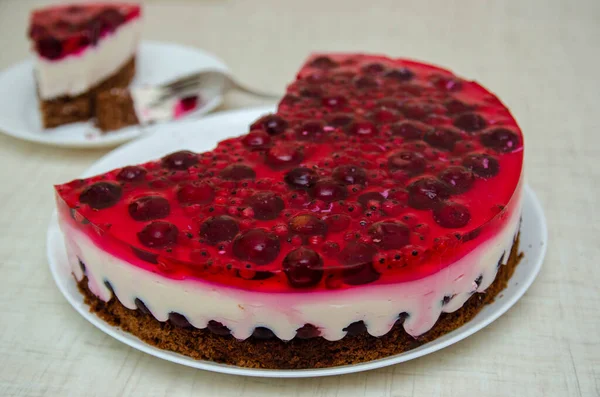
(202,135)
(156,63)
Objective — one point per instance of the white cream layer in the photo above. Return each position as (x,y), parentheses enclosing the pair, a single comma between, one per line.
(331,311)
(77,73)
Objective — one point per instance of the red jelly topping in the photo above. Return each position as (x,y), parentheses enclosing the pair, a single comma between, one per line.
(59,31)
(373,170)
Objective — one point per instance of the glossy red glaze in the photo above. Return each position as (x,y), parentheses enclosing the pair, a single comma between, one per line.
(58,31)
(398,221)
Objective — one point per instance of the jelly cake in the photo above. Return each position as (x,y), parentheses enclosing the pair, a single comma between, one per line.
(80,50)
(376,210)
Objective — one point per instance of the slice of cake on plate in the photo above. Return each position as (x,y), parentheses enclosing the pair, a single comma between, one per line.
(123,107)
(377,210)
(81,50)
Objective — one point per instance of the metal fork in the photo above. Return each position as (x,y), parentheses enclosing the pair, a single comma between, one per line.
(209,82)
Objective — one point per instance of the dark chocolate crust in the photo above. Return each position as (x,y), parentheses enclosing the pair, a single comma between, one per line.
(297,353)
(72,109)
(115,110)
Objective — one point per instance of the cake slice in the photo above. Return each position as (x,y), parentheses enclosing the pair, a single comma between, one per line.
(377,209)
(124,107)
(81,50)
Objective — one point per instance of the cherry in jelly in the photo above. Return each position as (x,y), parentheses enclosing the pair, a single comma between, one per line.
(500,139)
(308,225)
(451,215)
(390,235)
(219,228)
(301,178)
(266,205)
(131,173)
(237,172)
(427,193)
(303,268)
(328,190)
(158,234)
(272,124)
(181,160)
(357,261)
(482,164)
(101,195)
(350,175)
(149,208)
(257,246)
(196,192)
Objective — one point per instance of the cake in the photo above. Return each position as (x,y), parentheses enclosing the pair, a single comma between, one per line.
(378,209)
(124,107)
(81,50)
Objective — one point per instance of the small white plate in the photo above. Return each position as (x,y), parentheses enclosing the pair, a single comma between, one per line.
(202,135)
(156,63)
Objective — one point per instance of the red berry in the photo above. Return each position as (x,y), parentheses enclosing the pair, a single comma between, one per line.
(339,120)
(257,140)
(447,83)
(301,178)
(303,268)
(384,116)
(412,163)
(452,215)
(311,131)
(284,155)
(158,234)
(363,128)
(334,102)
(257,246)
(49,47)
(101,195)
(482,164)
(390,235)
(410,129)
(189,103)
(196,192)
(357,259)
(323,62)
(181,160)
(149,208)
(337,222)
(401,74)
(237,172)
(458,178)
(350,175)
(442,137)
(131,173)
(470,122)
(373,68)
(427,192)
(271,123)
(307,225)
(500,139)
(328,190)
(366,198)
(365,83)
(218,229)
(455,106)
(266,205)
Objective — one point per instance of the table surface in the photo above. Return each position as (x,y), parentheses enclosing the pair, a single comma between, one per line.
(541,57)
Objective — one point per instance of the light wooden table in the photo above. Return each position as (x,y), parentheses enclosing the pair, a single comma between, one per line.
(541,57)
